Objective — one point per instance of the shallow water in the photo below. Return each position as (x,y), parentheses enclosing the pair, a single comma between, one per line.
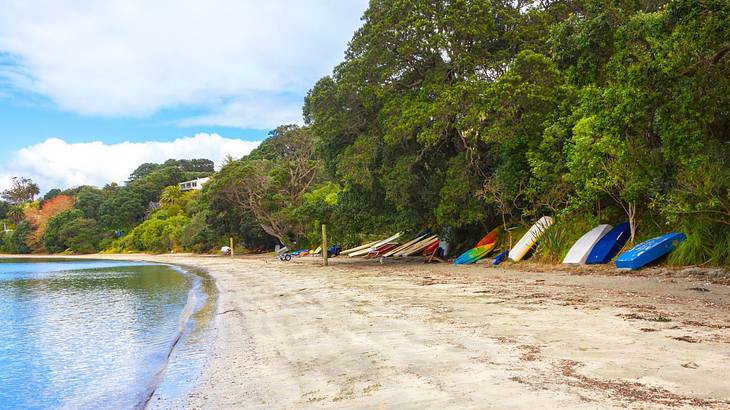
(96,334)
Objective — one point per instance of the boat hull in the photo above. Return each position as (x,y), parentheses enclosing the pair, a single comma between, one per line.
(529,239)
(578,253)
(649,251)
(609,245)
(474,254)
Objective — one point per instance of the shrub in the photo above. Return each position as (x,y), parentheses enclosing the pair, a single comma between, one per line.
(706,243)
(160,233)
(81,235)
(198,236)
(16,242)
(52,240)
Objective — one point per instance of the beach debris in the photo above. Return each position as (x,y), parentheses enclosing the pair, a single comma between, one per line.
(699,289)
(685,338)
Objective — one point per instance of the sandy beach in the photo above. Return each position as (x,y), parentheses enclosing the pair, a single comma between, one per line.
(361,334)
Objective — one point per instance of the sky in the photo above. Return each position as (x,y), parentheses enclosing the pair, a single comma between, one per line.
(91,89)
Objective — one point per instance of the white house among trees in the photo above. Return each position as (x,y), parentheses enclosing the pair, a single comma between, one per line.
(196,184)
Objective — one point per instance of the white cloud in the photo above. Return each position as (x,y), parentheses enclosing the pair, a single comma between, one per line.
(254,111)
(135,57)
(56,163)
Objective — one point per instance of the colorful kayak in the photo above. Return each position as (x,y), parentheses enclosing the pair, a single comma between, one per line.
(529,239)
(491,237)
(358,248)
(380,250)
(405,246)
(500,258)
(420,246)
(580,250)
(430,249)
(609,245)
(375,245)
(649,251)
(474,254)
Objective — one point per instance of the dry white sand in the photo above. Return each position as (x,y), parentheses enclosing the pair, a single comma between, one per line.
(360,334)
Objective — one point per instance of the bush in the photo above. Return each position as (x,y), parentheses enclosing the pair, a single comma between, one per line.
(52,241)
(81,235)
(161,233)
(706,243)
(15,242)
(198,236)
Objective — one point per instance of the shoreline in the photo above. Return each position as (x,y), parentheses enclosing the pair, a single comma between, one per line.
(362,334)
(196,319)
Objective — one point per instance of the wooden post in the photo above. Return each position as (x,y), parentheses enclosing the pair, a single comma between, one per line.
(324,245)
(230,241)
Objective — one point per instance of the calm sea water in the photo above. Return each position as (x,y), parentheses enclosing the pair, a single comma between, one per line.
(99,334)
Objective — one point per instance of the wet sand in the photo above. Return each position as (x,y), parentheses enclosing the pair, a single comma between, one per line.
(360,334)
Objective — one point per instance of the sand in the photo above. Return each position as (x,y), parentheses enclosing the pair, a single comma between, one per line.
(360,334)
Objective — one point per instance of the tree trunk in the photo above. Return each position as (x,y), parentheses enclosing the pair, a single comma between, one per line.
(631,213)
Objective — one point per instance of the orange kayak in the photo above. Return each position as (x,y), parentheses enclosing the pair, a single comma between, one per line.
(491,237)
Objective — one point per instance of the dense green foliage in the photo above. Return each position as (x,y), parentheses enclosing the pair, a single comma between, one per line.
(465,114)
(16,241)
(160,233)
(150,199)
(462,115)
(53,241)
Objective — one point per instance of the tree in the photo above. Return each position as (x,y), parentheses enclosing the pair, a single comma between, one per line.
(122,209)
(16,213)
(40,217)
(16,241)
(53,240)
(270,182)
(4,208)
(197,167)
(22,190)
(52,194)
(171,195)
(413,120)
(89,200)
(160,233)
(143,170)
(81,235)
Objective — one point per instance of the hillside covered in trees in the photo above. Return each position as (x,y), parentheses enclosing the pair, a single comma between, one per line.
(460,116)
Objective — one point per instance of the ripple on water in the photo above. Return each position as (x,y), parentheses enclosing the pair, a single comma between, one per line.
(93,334)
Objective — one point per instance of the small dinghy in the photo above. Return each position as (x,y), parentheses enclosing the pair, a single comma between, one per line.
(578,253)
(609,245)
(649,251)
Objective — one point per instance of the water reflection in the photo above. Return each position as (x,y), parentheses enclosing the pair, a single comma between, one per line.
(86,334)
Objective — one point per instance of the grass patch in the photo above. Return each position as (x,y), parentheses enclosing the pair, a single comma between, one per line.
(706,244)
(560,237)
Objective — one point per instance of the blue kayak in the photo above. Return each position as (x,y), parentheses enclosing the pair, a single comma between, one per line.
(609,245)
(649,251)
(500,258)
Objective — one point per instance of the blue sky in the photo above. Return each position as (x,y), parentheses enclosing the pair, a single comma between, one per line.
(26,124)
(89,89)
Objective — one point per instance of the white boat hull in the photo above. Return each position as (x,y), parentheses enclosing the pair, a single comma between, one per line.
(578,253)
(529,239)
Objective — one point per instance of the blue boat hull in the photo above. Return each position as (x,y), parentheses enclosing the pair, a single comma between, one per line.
(649,251)
(500,258)
(609,245)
